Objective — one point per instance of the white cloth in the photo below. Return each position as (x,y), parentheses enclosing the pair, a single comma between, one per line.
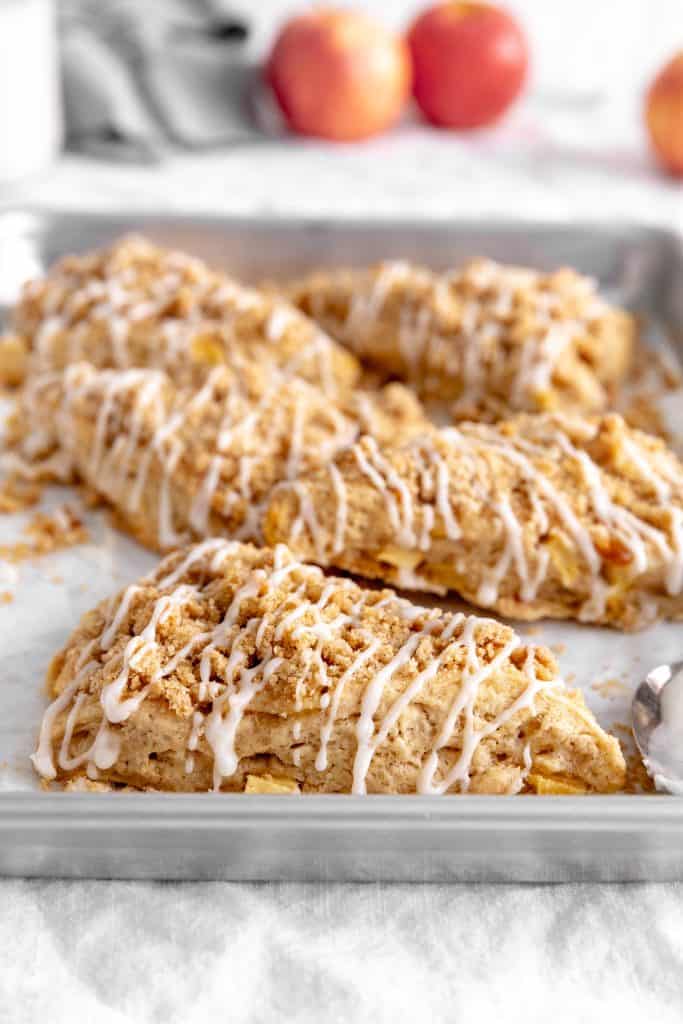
(137,77)
(195,953)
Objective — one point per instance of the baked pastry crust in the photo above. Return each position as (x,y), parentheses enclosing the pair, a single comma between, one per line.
(489,338)
(540,516)
(176,463)
(135,304)
(233,668)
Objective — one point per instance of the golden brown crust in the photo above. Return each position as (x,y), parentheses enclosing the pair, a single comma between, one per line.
(231,663)
(539,516)
(495,339)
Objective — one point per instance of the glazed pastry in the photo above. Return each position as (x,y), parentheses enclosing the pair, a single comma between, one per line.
(237,669)
(138,305)
(540,516)
(178,464)
(490,339)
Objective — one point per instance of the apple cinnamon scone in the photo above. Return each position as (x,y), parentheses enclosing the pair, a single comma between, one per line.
(544,515)
(137,305)
(234,668)
(488,338)
(176,463)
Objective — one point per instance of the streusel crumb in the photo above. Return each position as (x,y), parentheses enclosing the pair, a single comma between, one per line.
(234,668)
(492,339)
(540,516)
(46,532)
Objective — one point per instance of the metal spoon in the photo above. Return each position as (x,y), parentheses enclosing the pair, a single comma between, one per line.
(658,728)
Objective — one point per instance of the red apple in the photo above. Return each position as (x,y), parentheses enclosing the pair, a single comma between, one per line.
(470,62)
(664,115)
(339,75)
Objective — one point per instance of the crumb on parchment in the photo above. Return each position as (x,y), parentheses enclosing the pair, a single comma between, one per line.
(610,688)
(47,532)
(17,494)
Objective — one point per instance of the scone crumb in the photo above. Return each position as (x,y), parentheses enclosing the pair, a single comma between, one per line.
(610,688)
(47,532)
(178,639)
(82,784)
(17,494)
(270,784)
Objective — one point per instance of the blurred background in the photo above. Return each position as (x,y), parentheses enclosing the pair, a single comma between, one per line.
(118,104)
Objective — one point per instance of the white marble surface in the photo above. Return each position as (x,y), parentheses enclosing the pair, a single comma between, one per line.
(120,952)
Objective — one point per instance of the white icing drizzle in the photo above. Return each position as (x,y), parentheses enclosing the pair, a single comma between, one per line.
(413,520)
(482,299)
(442,496)
(371,698)
(384,477)
(201,506)
(527,761)
(280,319)
(464,704)
(341,513)
(660,486)
(674,578)
(42,758)
(366,304)
(93,318)
(327,723)
(253,660)
(115,622)
(158,429)
(414,330)
(295,442)
(169,537)
(307,518)
(369,738)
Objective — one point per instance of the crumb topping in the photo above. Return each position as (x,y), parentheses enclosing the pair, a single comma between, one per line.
(538,509)
(494,338)
(201,461)
(135,304)
(223,630)
(46,532)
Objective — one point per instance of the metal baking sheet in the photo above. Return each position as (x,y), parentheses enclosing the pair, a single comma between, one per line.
(331,837)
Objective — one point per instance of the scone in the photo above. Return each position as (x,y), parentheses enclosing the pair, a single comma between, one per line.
(539,516)
(137,305)
(178,464)
(233,668)
(490,339)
